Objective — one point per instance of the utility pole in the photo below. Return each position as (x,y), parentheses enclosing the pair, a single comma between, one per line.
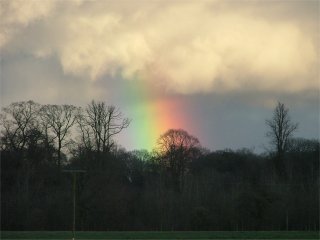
(74,176)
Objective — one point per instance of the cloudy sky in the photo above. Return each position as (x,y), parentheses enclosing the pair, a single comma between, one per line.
(214,68)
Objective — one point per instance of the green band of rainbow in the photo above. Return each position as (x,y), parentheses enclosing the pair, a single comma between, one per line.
(153,115)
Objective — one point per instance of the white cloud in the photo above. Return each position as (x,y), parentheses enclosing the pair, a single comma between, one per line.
(188,47)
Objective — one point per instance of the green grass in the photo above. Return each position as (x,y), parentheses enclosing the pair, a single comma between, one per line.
(162,235)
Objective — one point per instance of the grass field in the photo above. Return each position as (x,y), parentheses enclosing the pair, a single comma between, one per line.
(162,235)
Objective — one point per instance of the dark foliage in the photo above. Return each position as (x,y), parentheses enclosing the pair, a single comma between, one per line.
(221,190)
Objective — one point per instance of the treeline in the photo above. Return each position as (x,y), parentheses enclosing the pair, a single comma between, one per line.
(178,186)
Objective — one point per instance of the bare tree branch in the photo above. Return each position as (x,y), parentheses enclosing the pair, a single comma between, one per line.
(59,118)
(100,123)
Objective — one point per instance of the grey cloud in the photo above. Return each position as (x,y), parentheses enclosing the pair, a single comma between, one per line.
(26,77)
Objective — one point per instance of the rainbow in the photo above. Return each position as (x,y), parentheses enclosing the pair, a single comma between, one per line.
(153,114)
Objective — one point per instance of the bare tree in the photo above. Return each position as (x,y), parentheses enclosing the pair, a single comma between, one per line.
(281,129)
(17,120)
(60,119)
(20,133)
(98,125)
(86,135)
(176,149)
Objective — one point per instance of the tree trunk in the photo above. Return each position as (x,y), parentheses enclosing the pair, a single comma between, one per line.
(59,155)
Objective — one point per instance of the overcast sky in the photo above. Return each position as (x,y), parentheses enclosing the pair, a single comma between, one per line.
(214,68)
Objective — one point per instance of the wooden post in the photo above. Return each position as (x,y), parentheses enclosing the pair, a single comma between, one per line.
(74,206)
(74,176)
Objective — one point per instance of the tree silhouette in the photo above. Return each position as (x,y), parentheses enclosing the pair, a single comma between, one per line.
(176,149)
(281,129)
(178,186)
(17,120)
(59,118)
(98,123)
